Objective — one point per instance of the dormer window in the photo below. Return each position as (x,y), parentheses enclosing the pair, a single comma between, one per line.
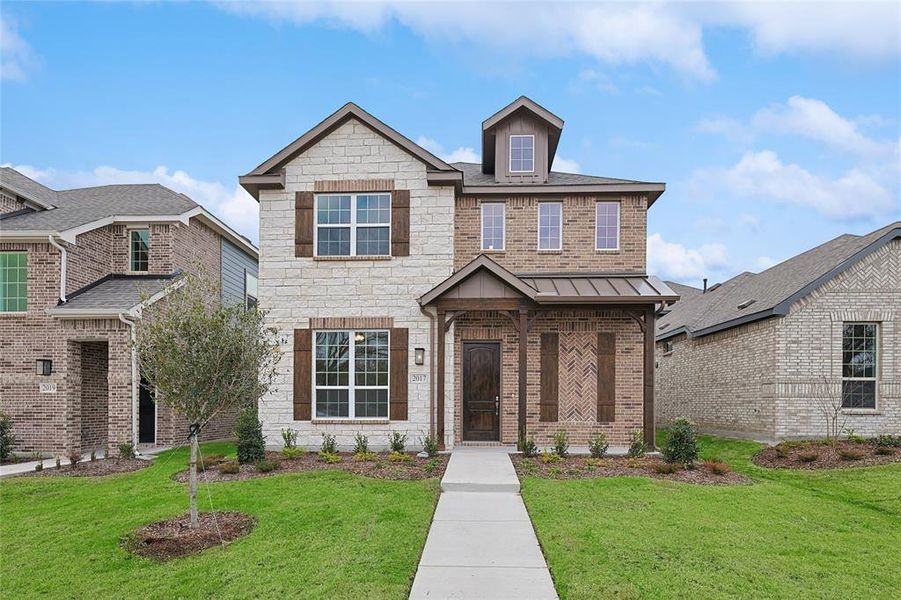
(522,153)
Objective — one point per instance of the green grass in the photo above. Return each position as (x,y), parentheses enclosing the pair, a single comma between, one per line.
(325,534)
(791,534)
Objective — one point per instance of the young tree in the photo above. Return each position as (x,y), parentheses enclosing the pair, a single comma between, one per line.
(828,397)
(203,357)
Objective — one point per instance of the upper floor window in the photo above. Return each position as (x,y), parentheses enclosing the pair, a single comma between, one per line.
(522,153)
(353,225)
(139,255)
(550,225)
(13,281)
(859,368)
(493,217)
(607,226)
(250,289)
(351,374)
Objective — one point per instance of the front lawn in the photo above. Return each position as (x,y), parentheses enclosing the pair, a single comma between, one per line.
(323,534)
(791,534)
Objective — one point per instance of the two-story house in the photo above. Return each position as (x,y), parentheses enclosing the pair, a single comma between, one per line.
(473,302)
(76,268)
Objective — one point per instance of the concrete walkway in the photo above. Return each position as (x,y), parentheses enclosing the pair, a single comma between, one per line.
(481,543)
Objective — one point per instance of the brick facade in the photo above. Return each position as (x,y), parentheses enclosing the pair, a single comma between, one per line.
(9,203)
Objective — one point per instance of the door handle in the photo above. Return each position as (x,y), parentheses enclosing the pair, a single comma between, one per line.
(497,410)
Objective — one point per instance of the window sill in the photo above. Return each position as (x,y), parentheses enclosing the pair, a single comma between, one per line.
(550,252)
(607,250)
(349,258)
(378,421)
(861,411)
(13,314)
(493,251)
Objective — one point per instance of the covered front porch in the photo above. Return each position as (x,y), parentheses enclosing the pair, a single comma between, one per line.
(531,355)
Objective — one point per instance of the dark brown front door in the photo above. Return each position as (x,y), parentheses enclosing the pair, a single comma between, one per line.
(481,391)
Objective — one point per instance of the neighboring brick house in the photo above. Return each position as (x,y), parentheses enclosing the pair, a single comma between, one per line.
(762,354)
(474,302)
(76,268)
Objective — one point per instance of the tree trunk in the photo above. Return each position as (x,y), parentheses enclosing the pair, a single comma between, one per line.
(192,486)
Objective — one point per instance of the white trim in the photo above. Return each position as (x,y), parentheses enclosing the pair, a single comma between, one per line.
(874,378)
(510,151)
(351,386)
(619,221)
(503,228)
(560,228)
(26,197)
(353,225)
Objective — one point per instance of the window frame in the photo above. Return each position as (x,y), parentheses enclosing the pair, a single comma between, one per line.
(510,152)
(619,220)
(503,247)
(131,262)
(24,309)
(351,386)
(352,225)
(256,298)
(559,227)
(874,378)
(668,347)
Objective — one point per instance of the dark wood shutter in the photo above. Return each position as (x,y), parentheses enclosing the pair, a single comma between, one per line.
(400,223)
(550,378)
(303,224)
(303,374)
(398,366)
(606,377)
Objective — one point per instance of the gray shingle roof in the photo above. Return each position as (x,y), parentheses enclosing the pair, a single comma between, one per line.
(684,291)
(115,293)
(772,291)
(26,187)
(472,175)
(85,205)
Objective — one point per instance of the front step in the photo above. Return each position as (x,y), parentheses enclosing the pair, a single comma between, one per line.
(480,470)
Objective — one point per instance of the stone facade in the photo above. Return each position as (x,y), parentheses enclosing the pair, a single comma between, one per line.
(769,379)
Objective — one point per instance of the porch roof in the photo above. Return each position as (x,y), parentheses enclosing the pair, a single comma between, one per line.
(484,279)
(116,294)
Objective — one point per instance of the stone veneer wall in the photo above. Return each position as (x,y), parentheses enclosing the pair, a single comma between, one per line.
(724,381)
(577,391)
(521,254)
(296,290)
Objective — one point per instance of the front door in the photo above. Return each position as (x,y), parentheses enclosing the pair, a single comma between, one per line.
(146,415)
(481,391)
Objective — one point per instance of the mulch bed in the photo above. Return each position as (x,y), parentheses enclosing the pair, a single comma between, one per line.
(381,468)
(174,538)
(97,468)
(582,467)
(820,454)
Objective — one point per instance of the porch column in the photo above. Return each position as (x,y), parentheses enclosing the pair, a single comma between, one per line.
(649,367)
(523,368)
(439,375)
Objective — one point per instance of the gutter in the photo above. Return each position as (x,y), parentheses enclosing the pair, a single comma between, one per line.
(62,267)
(134,382)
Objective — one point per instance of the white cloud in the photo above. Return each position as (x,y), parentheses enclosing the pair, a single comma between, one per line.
(16,56)
(598,80)
(752,222)
(727,127)
(233,205)
(461,154)
(762,175)
(671,260)
(566,165)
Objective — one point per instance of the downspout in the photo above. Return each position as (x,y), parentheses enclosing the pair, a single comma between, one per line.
(62,267)
(432,381)
(134,382)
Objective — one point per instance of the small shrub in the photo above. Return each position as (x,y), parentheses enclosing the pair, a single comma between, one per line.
(781,452)
(57,462)
(667,468)
(550,457)
(396,457)
(329,445)
(361,444)
(289,438)
(267,465)
(884,450)
(74,456)
(366,456)
(850,454)
(229,467)
(397,441)
(808,457)
(555,471)
(430,446)
(636,444)
(856,439)
(6,436)
(126,451)
(528,447)
(293,452)
(249,431)
(208,462)
(600,463)
(682,443)
(635,463)
(330,457)
(561,444)
(430,466)
(598,445)
(39,466)
(717,467)
(888,441)
(93,455)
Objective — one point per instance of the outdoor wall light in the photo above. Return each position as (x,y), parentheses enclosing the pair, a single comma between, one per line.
(419,356)
(43,366)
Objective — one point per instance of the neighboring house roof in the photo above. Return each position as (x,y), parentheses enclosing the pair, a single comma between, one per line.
(750,297)
(79,210)
(117,294)
(26,188)
(684,291)
(554,288)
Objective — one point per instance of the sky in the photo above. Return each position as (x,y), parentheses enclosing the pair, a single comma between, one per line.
(776,126)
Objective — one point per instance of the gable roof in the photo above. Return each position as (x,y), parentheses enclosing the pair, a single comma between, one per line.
(684,291)
(26,188)
(478,263)
(117,294)
(750,297)
(272,166)
(553,122)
